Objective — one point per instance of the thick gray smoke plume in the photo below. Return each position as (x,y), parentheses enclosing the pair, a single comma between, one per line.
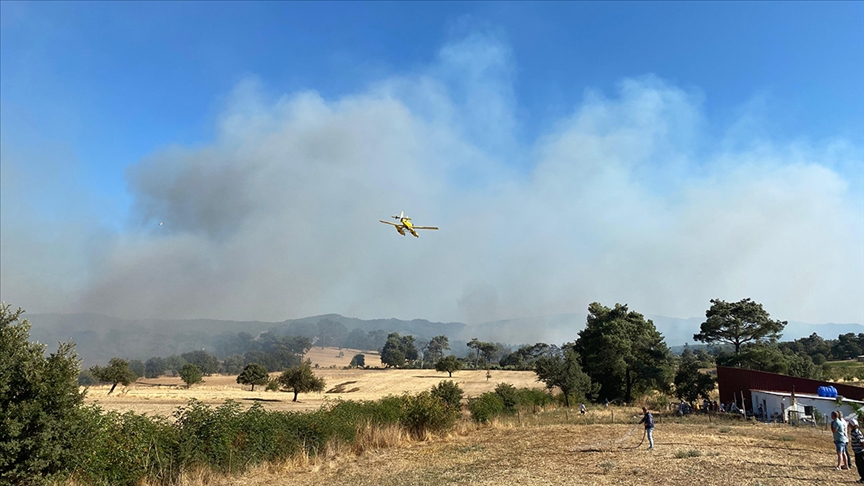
(627,200)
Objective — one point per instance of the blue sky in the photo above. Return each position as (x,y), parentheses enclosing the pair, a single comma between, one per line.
(92,94)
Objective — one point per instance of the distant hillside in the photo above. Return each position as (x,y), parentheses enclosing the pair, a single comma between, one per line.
(100,338)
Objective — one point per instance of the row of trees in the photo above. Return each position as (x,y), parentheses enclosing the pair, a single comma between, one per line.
(619,355)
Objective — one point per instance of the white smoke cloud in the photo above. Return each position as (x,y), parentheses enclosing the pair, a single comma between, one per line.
(627,200)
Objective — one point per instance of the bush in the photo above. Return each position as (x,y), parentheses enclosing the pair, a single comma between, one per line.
(507,393)
(532,397)
(449,393)
(485,407)
(426,413)
(115,449)
(40,404)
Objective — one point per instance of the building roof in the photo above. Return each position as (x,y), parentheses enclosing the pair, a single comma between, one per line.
(808,396)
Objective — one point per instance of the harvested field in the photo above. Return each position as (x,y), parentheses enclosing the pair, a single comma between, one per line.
(739,453)
(161,396)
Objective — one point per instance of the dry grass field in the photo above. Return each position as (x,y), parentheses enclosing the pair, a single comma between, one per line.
(549,447)
(539,451)
(161,396)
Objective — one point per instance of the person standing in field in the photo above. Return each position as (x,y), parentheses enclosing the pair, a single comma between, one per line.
(856,440)
(846,431)
(582,408)
(840,441)
(648,420)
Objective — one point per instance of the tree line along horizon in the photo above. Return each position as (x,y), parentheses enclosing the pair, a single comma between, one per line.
(619,355)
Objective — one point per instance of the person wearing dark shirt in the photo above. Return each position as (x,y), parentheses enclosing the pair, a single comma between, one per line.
(648,420)
(856,439)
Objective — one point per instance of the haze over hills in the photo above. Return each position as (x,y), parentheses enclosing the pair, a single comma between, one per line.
(99,337)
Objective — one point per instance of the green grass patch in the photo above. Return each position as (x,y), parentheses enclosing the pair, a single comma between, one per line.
(686,454)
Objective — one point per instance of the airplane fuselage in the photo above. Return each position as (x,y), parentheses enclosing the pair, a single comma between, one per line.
(407,224)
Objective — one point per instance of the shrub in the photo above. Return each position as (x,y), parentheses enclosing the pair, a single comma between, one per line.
(507,393)
(426,413)
(39,399)
(485,407)
(449,393)
(124,449)
(532,397)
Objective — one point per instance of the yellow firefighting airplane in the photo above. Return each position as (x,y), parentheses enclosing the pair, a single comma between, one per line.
(406,224)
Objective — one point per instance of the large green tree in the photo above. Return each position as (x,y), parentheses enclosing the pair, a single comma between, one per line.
(737,323)
(690,383)
(301,379)
(39,404)
(435,348)
(448,364)
(565,373)
(191,374)
(398,350)
(206,362)
(253,374)
(116,372)
(155,367)
(623,352)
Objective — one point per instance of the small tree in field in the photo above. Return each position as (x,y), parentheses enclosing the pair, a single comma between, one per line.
(301,379)
(358,361)
(448,364)
(117,371)
(253,374)
(190,374)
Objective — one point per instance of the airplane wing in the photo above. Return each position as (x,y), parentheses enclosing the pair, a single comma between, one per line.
(425,227)
(388,222)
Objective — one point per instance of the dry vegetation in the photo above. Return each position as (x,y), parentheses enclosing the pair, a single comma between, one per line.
(163,395)
(543,448)
(547,449)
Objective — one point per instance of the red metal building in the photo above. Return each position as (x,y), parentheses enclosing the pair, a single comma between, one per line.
(737,382)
